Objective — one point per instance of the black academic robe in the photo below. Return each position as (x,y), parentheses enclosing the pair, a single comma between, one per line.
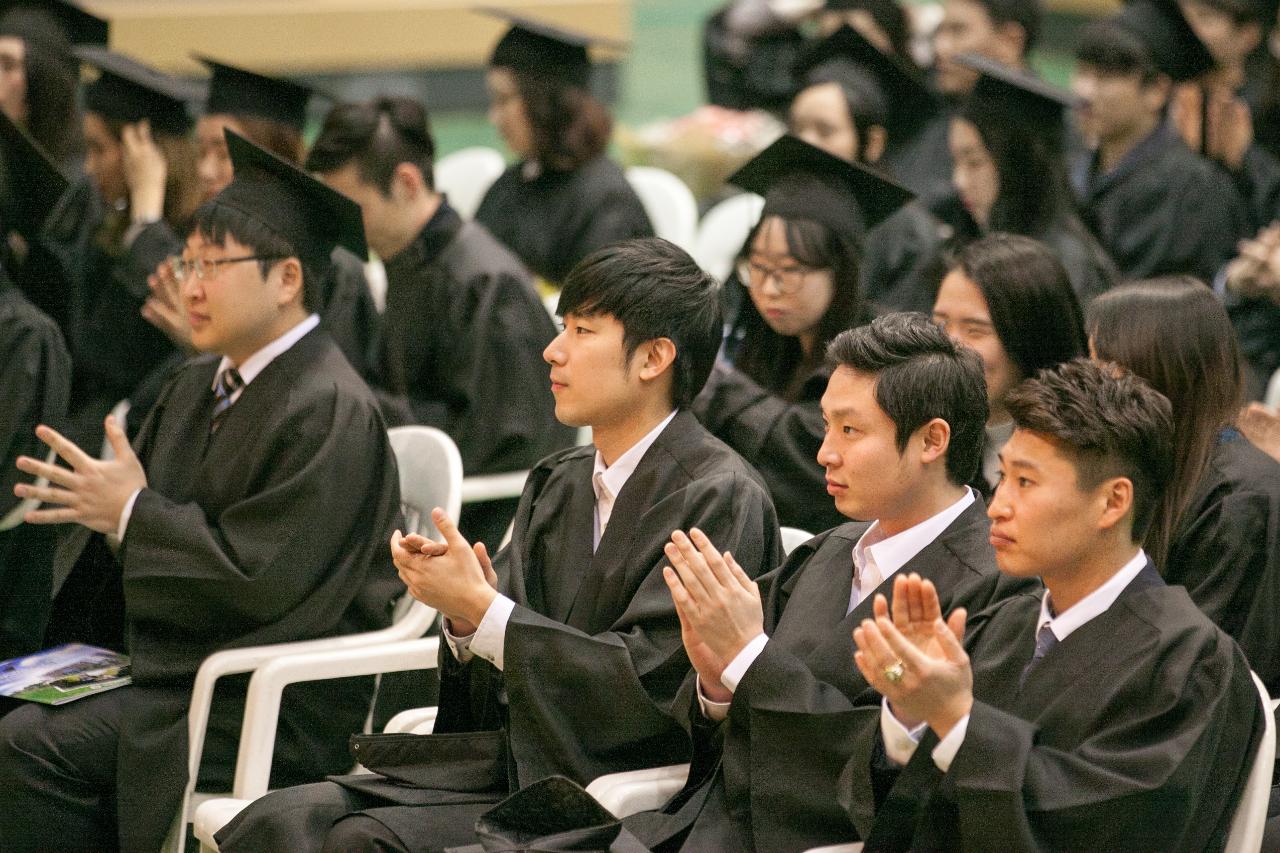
(922,160)
(1226,550)
(766,778)
(1257,324)
(593,653)
(35,381)
(461,350)
(557,218)
(270,530)
(347,310)
(779,438)
(1136,732)
(898,269)
(1162,210)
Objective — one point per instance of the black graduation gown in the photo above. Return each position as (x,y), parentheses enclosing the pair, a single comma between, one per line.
(1135,733)
(556,219)
(347,310)
(1162,210)
(766,778)
(1226,550)
(35,381)
(462,351)
(273,529)
(1257,324)
(922,159)
(593,654)
(899,271)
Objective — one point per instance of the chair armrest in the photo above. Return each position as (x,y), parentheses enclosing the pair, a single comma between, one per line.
(211,816)
(493,487)
(851,847)
(416,721)
(262,704)
(625,794)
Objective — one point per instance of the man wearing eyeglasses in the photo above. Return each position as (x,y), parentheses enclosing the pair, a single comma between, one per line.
(254,508)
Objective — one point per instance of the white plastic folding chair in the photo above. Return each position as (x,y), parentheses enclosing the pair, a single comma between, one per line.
(624,794)
(1251,814)
(792,537)
(1272,398)
(466,175)
(723,231)
(670,205)
(430,475)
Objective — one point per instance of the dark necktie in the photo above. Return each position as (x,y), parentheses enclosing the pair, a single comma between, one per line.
(229,382)
(1045,640)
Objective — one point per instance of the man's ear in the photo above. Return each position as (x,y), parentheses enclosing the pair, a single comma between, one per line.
(291,282)
(1115,497)
(407,182)
(934,438)
(658,355)
(874,144)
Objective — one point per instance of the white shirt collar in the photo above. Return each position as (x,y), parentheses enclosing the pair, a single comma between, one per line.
(256,363)
(1092,605)
(615,476)
(893,552)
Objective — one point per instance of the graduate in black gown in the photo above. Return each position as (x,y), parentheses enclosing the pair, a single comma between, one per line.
(1109,714)
(255,509)
(564,198)
(1218,530)
(1157,207)
(771,708)
(800,272)
(1009,174)
(564,656)
(461,345)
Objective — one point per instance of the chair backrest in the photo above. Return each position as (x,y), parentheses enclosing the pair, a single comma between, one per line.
(723,231)
(1272,398)
(120,411)
(466,175)
(1251,814)
(670,205)
(793,536)
(430,475)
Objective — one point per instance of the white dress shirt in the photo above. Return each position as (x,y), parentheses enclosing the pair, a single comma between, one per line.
(489,640)
(900,744)
(876,558)
(253,365)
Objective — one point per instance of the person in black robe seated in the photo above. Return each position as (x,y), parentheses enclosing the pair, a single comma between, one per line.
(564,656)
(272,114)
(1157,207)
(771,705)
(1218,529)
(564,198)
(1009,173)
(254,510)
(1009,298)
(801,274)
(854,103)
(1107,714)
(464,330)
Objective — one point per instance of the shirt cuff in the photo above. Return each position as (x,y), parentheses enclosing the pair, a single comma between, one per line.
(899,742)
(126,514)
(737,668)
(489,640)
(711,709)
(460,646)
(945,752)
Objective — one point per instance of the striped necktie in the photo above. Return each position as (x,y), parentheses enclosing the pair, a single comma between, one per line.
(1045,640)
(229,382)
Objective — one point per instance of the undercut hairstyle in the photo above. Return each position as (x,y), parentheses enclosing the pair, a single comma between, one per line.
(1108,422)
(377,136)
(655,290)
(1114,51)
(570,126)
(215,222)
(862,96)
(277,137)
(921,374)
(1198,369)
(1025,13)
(1033,307)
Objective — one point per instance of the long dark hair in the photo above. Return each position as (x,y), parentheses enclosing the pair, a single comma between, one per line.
(778,362)
(570,126)
(1197,368)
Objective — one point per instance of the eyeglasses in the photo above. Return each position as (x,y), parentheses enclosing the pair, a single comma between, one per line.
(202,268)
(788,279)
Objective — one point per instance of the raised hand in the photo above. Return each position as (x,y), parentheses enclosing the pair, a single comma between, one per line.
(145,172)
(449,576)
(163,308)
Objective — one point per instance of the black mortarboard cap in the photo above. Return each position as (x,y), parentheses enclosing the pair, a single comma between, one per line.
(293,204)
(36,184)
(903,86)
(801,181)
(537,47)
(237,92)
(129,91)
(1017,92)
(1174,47)
(52,21)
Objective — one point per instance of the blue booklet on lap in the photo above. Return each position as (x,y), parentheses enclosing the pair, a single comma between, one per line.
(63,674)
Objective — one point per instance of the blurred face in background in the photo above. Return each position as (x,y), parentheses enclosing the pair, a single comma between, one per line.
(507,112)
(973,171)
(13,79)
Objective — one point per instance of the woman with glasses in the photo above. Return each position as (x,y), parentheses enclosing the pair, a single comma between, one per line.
(800,271)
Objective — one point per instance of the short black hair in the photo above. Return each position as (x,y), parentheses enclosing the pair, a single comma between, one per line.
(215,222)
(1025,13)
(655,290)
(1111,424)
(377,135)
(921,374)
(1113,50)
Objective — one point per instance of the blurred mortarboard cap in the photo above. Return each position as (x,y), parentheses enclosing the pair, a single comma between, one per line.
(1174,47)
(128,91)
(801,181)
(34,181)
(311,216)
(537,47)
(1016,92)
(53,23)
(238,92)
(902,85)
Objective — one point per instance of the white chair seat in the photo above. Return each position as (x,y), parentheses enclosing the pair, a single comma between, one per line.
(211,816)
(624,794)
